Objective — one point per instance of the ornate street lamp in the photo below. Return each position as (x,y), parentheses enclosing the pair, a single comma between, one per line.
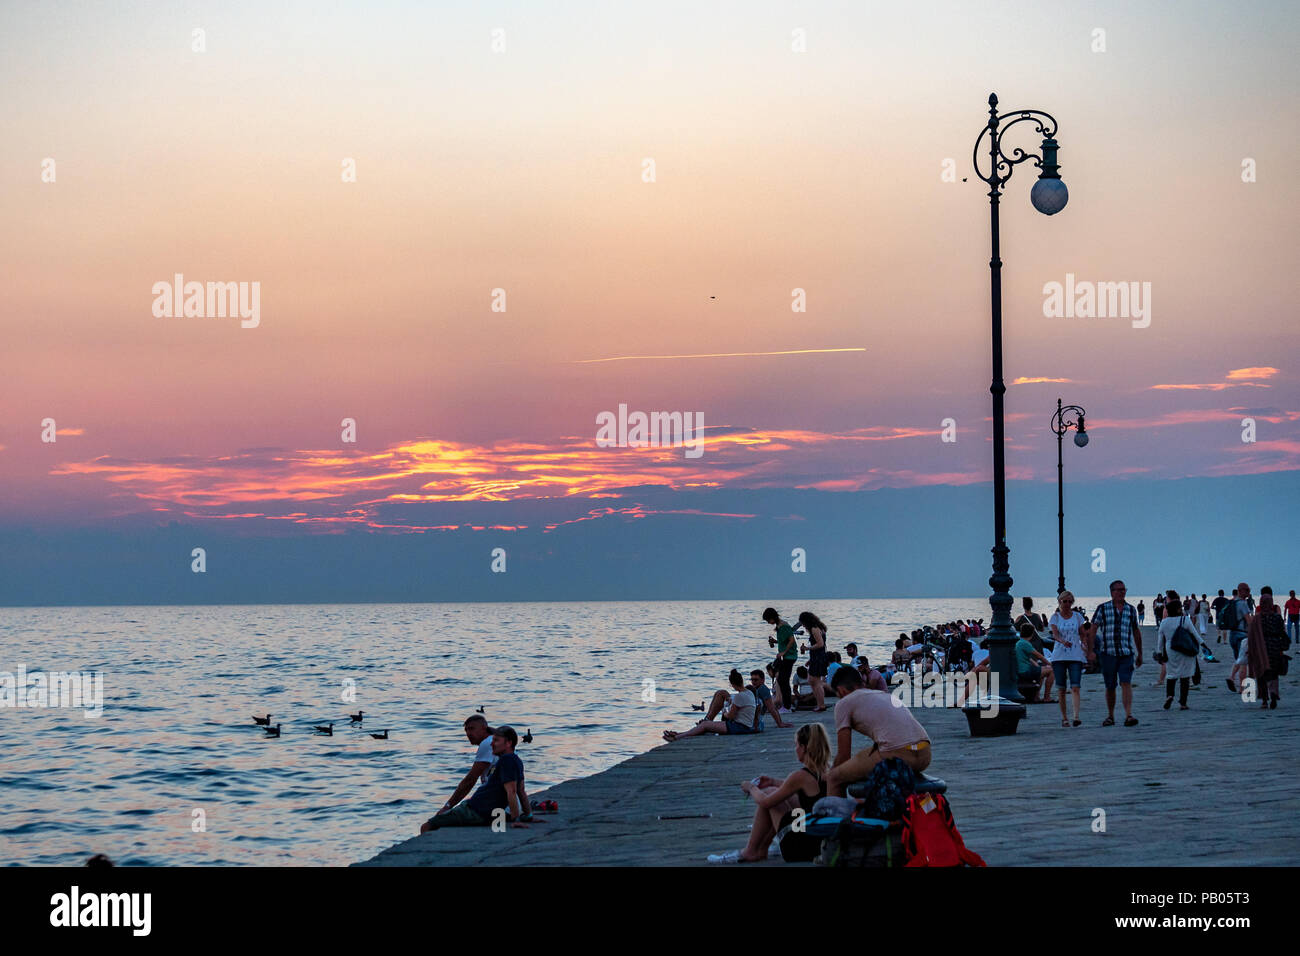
(1049,196)
(1060,425)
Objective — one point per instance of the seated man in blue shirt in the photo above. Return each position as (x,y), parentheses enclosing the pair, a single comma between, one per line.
(502,789)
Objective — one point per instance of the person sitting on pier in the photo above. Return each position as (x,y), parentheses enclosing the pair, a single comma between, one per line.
(892,728)
(764,700)
(503,789)
(478,733)
(1031,665)
(803,688)
(738,719)
(871,678)
(778,799)
(902,659)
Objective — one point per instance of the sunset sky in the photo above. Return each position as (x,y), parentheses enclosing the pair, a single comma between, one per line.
(522,170)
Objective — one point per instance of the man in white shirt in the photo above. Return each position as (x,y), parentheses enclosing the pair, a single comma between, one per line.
(479,734)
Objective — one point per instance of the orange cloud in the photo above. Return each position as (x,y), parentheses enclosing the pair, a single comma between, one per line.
(1035,381)
(1264,371)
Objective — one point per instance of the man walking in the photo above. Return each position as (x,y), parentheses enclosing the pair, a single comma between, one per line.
(1237,616)
(787,651)
(1292,608)
(1217,606)
(1118,641)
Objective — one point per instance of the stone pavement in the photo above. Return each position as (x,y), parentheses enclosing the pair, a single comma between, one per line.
(1213,785)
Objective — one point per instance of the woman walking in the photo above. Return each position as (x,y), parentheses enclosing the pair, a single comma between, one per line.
(1267,640)
(1067,652)
(817,657)
(1176,665)
(1203,615)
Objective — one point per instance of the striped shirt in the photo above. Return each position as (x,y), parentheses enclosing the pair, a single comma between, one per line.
(1115,629)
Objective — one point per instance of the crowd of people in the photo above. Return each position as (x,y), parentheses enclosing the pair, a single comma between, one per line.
(1050,652)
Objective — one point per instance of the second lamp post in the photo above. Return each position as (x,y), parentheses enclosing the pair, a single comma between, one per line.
(1061,424)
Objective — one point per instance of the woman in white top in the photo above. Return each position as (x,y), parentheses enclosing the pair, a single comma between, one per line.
(1203,614)
(1179,666)
(1067,655)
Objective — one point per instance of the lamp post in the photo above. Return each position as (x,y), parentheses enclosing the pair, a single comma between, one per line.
(1061,425)
(1049,196)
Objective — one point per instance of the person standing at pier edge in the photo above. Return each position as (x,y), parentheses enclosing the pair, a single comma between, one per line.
(1158,608)
(1067,653)
(1178,666)
(1293,617)
(1203,616)
(787,651)
(1118,641)
(817,659)
(1142,613)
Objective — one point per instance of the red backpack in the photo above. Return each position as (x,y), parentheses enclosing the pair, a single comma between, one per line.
(930,837)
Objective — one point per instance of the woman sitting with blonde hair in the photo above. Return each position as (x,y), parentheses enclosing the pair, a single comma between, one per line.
(777,800)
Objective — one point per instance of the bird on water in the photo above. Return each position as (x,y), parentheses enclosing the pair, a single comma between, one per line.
(383,736)
(272,731)
(356,718)
(327,730)
(263,721)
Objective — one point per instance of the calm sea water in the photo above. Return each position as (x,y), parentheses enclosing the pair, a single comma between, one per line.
(181,684)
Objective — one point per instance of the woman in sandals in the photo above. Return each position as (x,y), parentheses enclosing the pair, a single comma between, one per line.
(778,799)
(1067,653)
(1177,666)
(817,657)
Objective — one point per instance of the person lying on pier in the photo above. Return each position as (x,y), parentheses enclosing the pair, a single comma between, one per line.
(895,732)
(778,799)
(738,719)
(503,789)
(764,701)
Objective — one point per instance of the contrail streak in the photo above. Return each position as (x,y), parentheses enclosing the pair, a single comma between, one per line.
(626,358)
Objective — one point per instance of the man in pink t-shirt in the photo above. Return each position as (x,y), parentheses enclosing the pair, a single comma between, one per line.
(1292,608)
(878,715)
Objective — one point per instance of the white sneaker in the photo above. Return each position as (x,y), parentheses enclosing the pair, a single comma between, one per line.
(785,710)
(731,856)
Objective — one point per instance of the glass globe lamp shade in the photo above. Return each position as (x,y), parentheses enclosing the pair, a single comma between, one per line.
(1049,196)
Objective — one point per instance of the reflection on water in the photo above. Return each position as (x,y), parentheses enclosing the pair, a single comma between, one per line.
(181,685)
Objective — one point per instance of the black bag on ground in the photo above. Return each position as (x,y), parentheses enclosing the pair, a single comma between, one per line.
(797,845)
(856,844)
